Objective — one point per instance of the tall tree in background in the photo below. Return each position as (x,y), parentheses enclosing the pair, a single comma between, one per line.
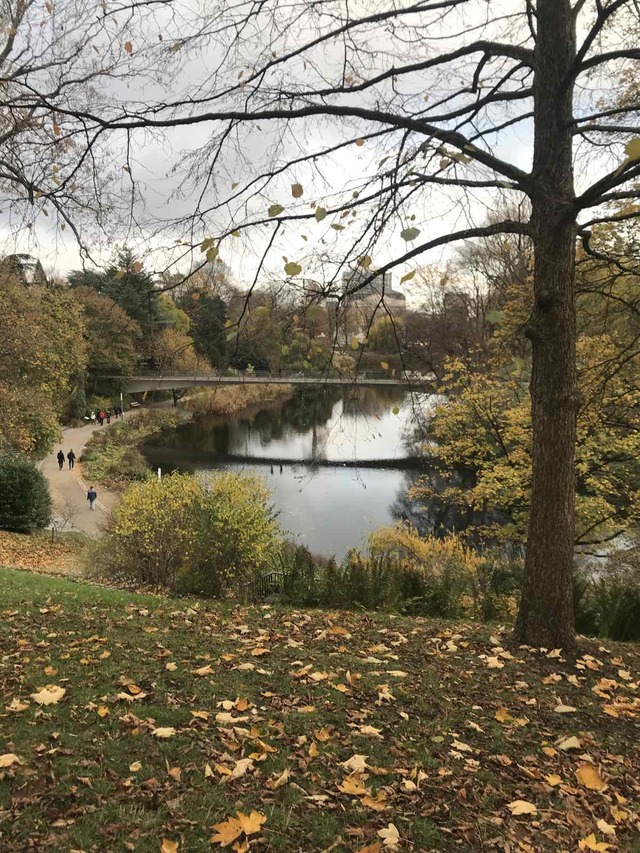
(396,113)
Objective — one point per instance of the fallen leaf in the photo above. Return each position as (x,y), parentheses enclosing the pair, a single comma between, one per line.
(390,835)
(588,776)
(133,768)
(565,709)
(49,695)
(9,759)
(569,743)
(518,807)
(605,827)
(204,670)
(279,781)
(353,785)
(164,732)
(590,843)
(169,846)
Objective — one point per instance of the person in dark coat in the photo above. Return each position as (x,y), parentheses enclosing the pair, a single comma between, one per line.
(71,456)
(92,496)
(60,458)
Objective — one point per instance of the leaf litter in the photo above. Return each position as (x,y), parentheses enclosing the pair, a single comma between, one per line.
(427,746)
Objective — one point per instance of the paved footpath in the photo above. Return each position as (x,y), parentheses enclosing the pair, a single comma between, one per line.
(69,491)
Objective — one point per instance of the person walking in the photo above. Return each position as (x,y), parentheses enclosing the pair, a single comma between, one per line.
(92,497)
(108,414)
(101,417)
(60,458)
(71,456)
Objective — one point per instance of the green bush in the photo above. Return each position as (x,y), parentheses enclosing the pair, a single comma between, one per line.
(404,572)
(607,601)
(210,539)
(25,502)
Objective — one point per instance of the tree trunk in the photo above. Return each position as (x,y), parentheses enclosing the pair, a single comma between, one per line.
(545,617)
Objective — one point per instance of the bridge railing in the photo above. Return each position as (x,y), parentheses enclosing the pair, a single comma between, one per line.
(274,377)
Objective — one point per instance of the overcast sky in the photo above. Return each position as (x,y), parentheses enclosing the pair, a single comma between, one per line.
(165,198)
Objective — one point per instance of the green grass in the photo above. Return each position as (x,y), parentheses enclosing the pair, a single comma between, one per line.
(75,789)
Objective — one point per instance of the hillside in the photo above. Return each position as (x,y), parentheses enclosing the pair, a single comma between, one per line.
(132,722)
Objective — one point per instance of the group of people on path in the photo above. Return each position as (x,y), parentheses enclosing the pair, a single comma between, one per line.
(92,495)
(71,458)
(105,415)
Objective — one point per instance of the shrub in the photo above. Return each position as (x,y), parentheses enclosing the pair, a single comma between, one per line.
(25,502)
(237,536)
(608,600)
(209,539)
(154,530)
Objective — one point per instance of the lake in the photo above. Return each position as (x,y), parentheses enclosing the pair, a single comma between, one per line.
(338,463)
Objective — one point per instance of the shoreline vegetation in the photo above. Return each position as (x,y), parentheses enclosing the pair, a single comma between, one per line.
(112,457)
(232,400)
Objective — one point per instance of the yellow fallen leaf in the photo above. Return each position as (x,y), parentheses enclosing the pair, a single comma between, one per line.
(201,715)
(588,776)
(318,676)
(242,766)
(518,807)
(133,768)
(553,779)
(16,706)
(102,711)
(379,804)
(164,732)
(171,666)
(279,781)
(569,743)
(203,670)
(605,827)
(357,763)
(390,835)
(251,823)
(565,709)
(169,846)
(590,843)
(9,759)
(226,832)
(353,785)
(49,695)
(370,731)
(619,814)
(502,715)
(256,653)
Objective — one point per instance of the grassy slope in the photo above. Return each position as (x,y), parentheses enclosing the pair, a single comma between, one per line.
(442,768)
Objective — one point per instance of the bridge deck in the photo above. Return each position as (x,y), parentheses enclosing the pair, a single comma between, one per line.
(364,380)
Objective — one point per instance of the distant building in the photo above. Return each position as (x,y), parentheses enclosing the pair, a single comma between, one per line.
(375,298)
(26,268)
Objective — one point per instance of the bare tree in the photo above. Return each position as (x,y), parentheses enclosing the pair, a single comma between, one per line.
(392,114)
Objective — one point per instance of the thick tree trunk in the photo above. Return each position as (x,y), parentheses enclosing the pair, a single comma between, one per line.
(545,617)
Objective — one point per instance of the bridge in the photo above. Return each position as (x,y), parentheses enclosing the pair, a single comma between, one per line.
(173,381)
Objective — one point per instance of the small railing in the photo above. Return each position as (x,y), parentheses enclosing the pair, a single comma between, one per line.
(268,584)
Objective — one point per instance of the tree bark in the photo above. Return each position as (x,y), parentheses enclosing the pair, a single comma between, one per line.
(545,617)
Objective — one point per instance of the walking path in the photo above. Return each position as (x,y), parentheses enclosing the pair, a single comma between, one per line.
(69,491)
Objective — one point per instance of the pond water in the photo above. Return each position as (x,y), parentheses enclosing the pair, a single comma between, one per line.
(339,464)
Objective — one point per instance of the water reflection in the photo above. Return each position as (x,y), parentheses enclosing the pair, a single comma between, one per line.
(334,460)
